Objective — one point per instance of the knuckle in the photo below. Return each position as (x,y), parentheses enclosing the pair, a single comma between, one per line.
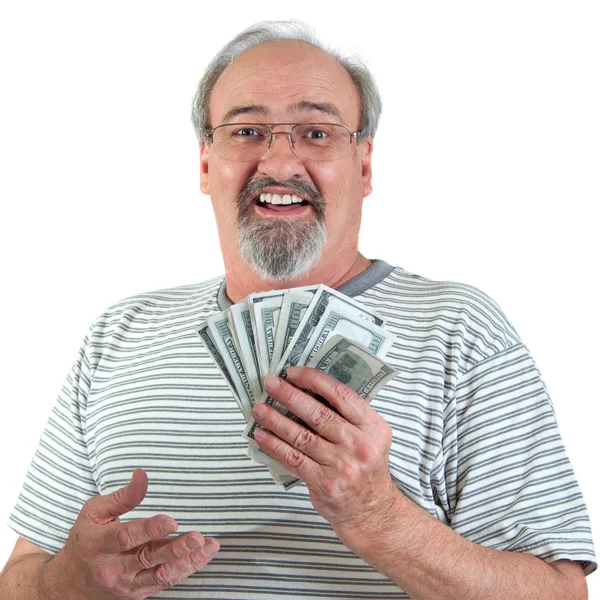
(196,560)
(292,394)
(305,439)
(165,575)
(294,458)
(321,416)
(178,548)
(146,556)
(366,452)
(342,391)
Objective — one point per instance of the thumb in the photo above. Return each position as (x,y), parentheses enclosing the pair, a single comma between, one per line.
(105,509)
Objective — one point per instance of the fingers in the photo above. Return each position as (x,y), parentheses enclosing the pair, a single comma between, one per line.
(121,537)
(297,436)
(294,460)
(346,401)
(317,415)
(105,509)
(157,552)
(171,573)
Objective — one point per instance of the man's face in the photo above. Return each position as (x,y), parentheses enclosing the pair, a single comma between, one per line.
(283,82)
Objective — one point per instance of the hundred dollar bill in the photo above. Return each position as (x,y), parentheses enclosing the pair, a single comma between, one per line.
(354,366)
(338,320)
(224,340)
(297,345)
(349,363)
(247,347)
(209,344)
(294,306)
(264,309)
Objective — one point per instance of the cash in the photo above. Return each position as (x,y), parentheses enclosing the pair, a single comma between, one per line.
(312,326)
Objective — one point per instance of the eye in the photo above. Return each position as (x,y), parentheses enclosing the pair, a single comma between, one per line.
(246,132)
(316,134)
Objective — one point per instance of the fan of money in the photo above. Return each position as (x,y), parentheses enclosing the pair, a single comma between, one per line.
(312,326)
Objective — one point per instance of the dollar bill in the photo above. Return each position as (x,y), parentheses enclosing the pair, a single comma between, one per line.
(264,310)
(246,344)
(338,320)
(205,337)
(224,340)
(294,306)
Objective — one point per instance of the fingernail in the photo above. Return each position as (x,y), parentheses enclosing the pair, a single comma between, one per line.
(295,371)
(272,382)
(192,543)
(211,547)
(259,409)
(260,434)
(169,527)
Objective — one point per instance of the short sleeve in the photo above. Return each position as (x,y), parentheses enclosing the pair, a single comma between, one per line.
(510,485)
(59,479)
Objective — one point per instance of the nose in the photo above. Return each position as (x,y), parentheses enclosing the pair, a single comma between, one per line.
(280,161)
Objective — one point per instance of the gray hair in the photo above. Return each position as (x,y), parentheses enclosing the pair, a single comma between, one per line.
(264,31)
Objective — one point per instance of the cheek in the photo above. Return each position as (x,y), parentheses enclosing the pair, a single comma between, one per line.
(227,180)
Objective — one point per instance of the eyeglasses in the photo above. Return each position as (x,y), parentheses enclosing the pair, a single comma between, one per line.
(245,142)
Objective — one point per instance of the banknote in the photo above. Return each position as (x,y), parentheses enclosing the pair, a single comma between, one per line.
(209,344)
(224,340)
(264,310)
(246,344)
(338,320)
(293,309)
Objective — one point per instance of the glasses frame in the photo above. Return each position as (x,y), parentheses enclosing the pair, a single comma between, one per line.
(290,133)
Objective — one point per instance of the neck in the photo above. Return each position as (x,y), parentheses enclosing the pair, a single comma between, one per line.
(333,272)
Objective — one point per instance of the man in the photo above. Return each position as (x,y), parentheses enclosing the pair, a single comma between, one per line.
(452,483)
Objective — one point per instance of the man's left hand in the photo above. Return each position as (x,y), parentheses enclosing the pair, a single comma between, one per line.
(343,458)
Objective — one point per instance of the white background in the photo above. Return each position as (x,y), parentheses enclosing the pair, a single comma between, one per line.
(486,171)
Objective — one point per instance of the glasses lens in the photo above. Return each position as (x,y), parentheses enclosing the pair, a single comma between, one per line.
(321,141)
(248,141)
(241,142)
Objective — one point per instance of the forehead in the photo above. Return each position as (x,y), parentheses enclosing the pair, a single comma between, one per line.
(285,81)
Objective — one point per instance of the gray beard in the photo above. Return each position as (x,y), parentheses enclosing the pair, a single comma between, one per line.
(280,249)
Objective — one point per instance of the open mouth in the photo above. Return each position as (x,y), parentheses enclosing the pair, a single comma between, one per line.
(282,203)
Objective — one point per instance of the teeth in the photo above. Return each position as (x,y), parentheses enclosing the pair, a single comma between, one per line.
(278,199)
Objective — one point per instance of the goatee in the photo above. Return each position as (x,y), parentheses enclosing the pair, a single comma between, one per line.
(282,248)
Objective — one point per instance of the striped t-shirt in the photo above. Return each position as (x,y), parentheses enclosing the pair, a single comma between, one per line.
(475,441)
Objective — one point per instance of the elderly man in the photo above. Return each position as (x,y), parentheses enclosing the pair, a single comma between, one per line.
(453,483)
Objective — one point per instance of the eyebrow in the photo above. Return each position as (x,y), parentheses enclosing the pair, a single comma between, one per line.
(304,105)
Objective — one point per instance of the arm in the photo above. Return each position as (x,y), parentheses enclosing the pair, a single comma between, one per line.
(21,576)
(344,462)
(430,561)
(31,574)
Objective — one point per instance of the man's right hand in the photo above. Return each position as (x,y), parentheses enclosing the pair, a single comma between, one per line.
(104,559)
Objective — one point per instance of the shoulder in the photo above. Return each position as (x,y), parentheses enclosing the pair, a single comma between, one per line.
(458,314)
(159,308)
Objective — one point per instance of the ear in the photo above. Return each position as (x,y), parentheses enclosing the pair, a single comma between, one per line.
(366,173)
(203,168)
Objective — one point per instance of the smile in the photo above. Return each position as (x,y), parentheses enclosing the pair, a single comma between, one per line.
(280,199)
(281,205)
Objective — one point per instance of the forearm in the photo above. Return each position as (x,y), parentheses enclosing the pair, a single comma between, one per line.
(32,577)
(429,561)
